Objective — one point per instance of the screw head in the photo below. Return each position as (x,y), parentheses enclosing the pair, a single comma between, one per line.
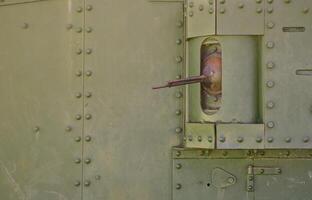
(258,1)
(250,188)
(199,138)
(178,130)
(78,29)
(191,13)
(191,4)
(201,7)
(287,1)
(222,1)
(88,94)
(78,51)
(178,186)
(89,51)
(79,9)
(36,128)
(190,138)
(210,10)
(25,26)
(270,1)
(241,5)
(222,139)
(231,180)
(178,95)
(178,41)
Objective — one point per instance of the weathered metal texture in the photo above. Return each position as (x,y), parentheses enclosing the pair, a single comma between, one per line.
(287,96)
(133,45)
(199,135)
(40,132)
(240,17)
(239,80)
(200,18)
(240,136)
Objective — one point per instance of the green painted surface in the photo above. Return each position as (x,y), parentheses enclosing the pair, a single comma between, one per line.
(199,135)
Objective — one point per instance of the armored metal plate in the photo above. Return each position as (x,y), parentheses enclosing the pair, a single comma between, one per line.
(286,92)
(214,178)
(243,17)
(239,80)
(200,135)
(200,18)
(133,46)
(294,181)
(240,136)
(38,103)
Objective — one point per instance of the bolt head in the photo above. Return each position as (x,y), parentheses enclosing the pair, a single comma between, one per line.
(88,116)
(78,95)
(88,73)
(201,7)
(36,128)
(178,41)
(78,73)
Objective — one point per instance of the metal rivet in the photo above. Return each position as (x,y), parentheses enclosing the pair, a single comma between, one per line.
(241,5)
(36,128)
(191,13)
(179,59)
(250,188)
(262,153)
(69,26)
(79,9)
(88,94)
(78,51)
(77,183)
(270,10)
(87,161)
(240,139)
(78,160)
(224,153)
(78,95)
(259,139)
(88,138)
(88,116)
(78,139)
(68,128)
(178,186)
(250,178)
(259,10)
(178,153)
(270,104)
(178,112)
(89,7)
(222,139)
(87,183)
(270,65)
(288,139)
(279,170)
(89,30)
(190,138)
(201,8)
(178,94)
(178,130)
(270,1)
(178,166)
(222,1)
(210,139)
(180,24)
(78,117)
(191,4)
(178,41)
(270,124)
(89,51)
(270,139)
(270,44)
(97,177)
(79,30)
(287,1)
(222,10)
(210,10)
(78,73)
(270,84)
(261,171)
(199,139)
(25,25)
(305,10)
(270,25)
(258,1)
(202,153)
(88,73)
(306,139)
(211,2)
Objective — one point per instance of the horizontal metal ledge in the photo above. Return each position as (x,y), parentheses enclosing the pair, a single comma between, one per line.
(166,0)
(14,2)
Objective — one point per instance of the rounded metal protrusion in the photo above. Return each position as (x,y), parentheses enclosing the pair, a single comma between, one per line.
(211,2)
(87,161)
(78,73)
(261,171)
(270,25)
(270,124)
(191,4)
(224,153)
(250,178)
(78,51)
(88,138)
(79,9)
(89,7)
(222,139)
(259,10)
(78,139)
(89,51)
(88,94)
(178,166)
(222,1)
(179,59)
(305,10)
(191,13)
(190,138)
(78,29)
(97,177)
(68,129)
(270,10)
(210,10)
(178,153)
(241,5)
(306,139)
(87,183)
(89,30)
(178,130)
(78,95)
(258,1)
(270,84)
(69,26)
(231,180)
(180,24)
(287,1)
(270,44)
(270,65)
(202,153)
(178,112)
(88,116)
(77,183)
(250,188)
(279,170)
(210,139)
(258,139)
(270,104)
(199,138)
(25,26)
(178,41)
(201,7)
(222,10)
(270,1)
(178,186)
(178,94)
(36,128)
(288,139)
(270,139)
(178,77)
(240,139)
(78,160)
(78,117)
(88,73)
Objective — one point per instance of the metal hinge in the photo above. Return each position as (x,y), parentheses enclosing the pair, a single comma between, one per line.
(253,171)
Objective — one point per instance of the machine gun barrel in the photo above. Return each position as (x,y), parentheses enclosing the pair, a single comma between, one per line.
(185,81)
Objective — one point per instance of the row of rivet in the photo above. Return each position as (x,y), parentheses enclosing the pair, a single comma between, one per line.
(199,138)
(201,8)
(241,5)
(305,139)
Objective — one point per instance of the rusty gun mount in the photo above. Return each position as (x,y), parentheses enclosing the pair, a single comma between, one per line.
(185,81)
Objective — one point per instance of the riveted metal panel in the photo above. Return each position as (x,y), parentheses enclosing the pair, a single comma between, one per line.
(243,17)
(213,178)
(240,136)
(200,18)
(287,98)
(14,2)
(239,80)
(294,181)
(39,133)
(199,135)
(130,46)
